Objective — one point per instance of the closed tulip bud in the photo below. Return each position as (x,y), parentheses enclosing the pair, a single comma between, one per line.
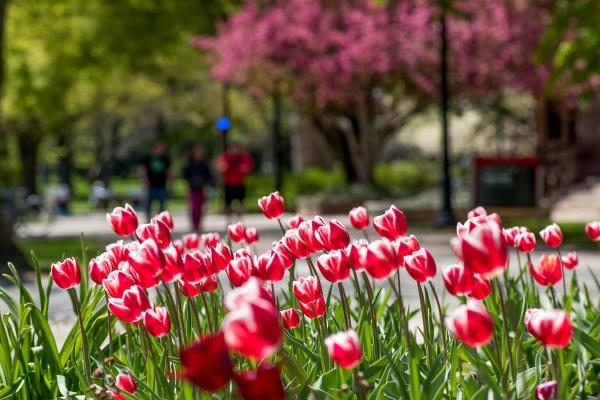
(420,265)
(272,205)
(592,230)
(131,307)
(359,218)
(391,225)
(147,263)
(570,260)
(126,383)
(210,239)
(307,289)
(115,395)
(123,220)
(290,318)
(295,245)
(307,232)
(482,287)
(251,290)
(458,280)
(190,290)
(294,221)
(173,269)
(471,323)
(239,270)
(66,274)
(344,349)
(252,329)
(477,212)
(117,282)
(251,236)
(525,242)
(315,308)
(381,259)
(209,283)
(546,391)
(405,246)
(237,232)
(206,363)
(155,230)
(357,254)
(552,235)
(220,256)
(100,267)
(334,266)
(191,241)
(547,271)
(195,267)
(484,250)
(333,235)
(157,321)
(551,327)
(119,251)
(243,252)
(262,384)
(510,235)
(271,266)
(166,218)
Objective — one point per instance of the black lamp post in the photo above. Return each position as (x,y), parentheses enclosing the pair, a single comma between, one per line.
(445,216)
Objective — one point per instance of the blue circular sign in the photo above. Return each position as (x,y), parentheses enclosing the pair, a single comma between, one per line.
(223,124)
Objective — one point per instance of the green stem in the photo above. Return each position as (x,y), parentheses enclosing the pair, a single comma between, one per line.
(281,225)
(426,335)
(196,315)
(366,235)
(207,310)
(177,309)
(564,278)
(506,328)
(553,295)
(84,340)
(345,307)
(110,336)
(441,317)
(372,312)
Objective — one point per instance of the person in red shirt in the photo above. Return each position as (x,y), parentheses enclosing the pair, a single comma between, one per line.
(235,165)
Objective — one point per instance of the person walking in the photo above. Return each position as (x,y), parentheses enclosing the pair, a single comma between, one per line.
(235,165)
(155,173)
(198,176)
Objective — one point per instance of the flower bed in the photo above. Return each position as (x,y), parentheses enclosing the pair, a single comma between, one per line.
(160,318)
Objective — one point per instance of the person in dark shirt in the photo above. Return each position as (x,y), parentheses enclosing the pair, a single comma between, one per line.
(198,176)
(155,173)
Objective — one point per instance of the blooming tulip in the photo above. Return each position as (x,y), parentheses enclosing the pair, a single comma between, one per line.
(166,218)
(307,232)
(155,230)
(262,384)
(126,383)
(510,235)
(405,246)
(458,280)
(131,307)
(252,290)
(546,391)
(123,221)
(551,327)
(208,284)
(482,287)
(100,267)
(315,308)
(117,282)
(477,212)
(271,266)
(333,235)
(525,241)
(147,263)
(484,250)
(272,205)
(157,321)
(592,230)
(357,254)
(307,289)
(552,235)
(294,221)
(196,266)
(359,218)
(237,232)
(420,265)
(391,225)
(118,250)
(344,348)
(206,363)
(381,259)
(295,245)
(210,239)
(334,266)
(239,270)
(190,290)
(570,260)
(173,269)
(191,241)
(251,236)
(115,395)
(471,323)
(66,274)
(220,256)
(290,318)
(547,271)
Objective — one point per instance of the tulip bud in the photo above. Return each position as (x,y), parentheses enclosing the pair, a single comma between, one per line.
(357,254)
(381,259)
(510,235)
(100,267)
(405,246)
(157,321)
(209,283)
(333,235)
(190,290)
(551,327)
(123,221)
(525,241)
(547,271)
(117,282)
(191,241)
(295,245)
(315,308)
(237,232)
(155,230)
(290,318)
(592,230)
(344,348)
(471,323)
(307,232)
(546,391)
(206,363)
(477,212)
(271,266)
(334,266)
(552,235)
(391,225)
(220,255)
(239,270)
(458,280)
(420,265)
(251,236)
(484,250)
(307,289)
(66,274)
(166,218)
(359,218)
(147,263)
(131,307)
(272,205)
(195,267)
(482,287)
(119,251)
(570,260)
(262,384)
(126,383)
(294,221)
(210,239)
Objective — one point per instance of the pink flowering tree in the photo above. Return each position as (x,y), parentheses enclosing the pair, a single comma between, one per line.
(359,71)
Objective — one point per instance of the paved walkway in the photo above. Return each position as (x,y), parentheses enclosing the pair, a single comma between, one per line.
(581,205)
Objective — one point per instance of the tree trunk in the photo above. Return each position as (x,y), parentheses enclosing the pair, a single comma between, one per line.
(29,143)
(65,161)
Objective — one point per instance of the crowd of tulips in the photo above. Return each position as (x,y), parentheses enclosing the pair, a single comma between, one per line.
(318,315)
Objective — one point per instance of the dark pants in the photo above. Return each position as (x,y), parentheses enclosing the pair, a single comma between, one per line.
(196,198)
(156,194)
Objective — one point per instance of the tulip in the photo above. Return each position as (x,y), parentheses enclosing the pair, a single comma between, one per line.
(206,363)
(471,323)
(237,232)
(131,307)
(307,232)
(552,235)
(551,327)
(391,225)
(123,221)
(482,287)
(333,235)
(190,290)
(119,251)
(220,256)
(546,391)
(252,290)
(239,270)
(271,266)
(313,309)
(243,252)
(117,282)
(510,235)
(307,289)
(344,348)
(455,245)
(155,230)
(251,236)
(420,265)
(195,267)
(173,269)
(294,221)
(272,205)
(474,222)
(477,212)
(191,241)
(295,245)
(357,254)
(359,218)
(252,329)
(66,274)
(179,246)
(100,267)
(126,383)
(484,250)
(547,271)
(458,280)
(147,263)
(570,260)
(381,259)
(405,246)
(157,321)
(592,230)
(525,241)
(166,218)
(208,284)
(210,239)
(290,318)
(114,395)
(262,384)
(334,266)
